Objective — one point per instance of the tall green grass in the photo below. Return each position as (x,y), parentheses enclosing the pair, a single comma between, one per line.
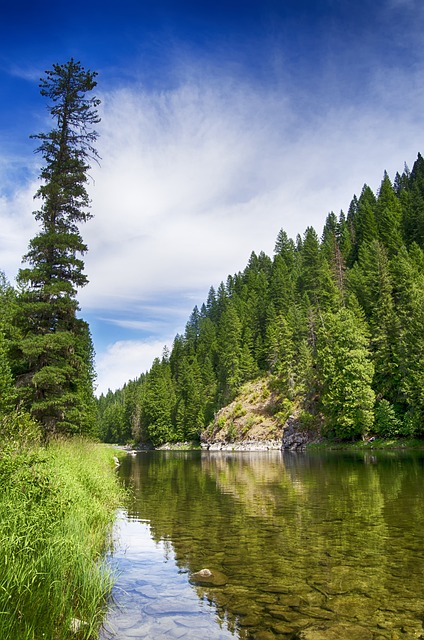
(57,506)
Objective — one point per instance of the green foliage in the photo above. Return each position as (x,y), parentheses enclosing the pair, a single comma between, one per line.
(221,422)
(57,506)
(336,321)
(285,408)
(19,431)
(409,304)
(238,410)
(388,215)
(387,423)
(372,283)
(315,281)
(362,222)
(345,374)
(411,195)
(52,355)
(7,389)
(158,403)
(229,353)
(306,420)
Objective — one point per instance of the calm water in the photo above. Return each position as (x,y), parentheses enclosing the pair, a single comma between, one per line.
(312,547)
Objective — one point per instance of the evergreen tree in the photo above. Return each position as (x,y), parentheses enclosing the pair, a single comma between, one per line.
(338,323)
(411,193)
(409,299)
(189,415)
(7,387)
(331,250)
(158,402)
(229,344)
(371,281)
(53,358)
(192,330)
(256,308)
(365,220)
(132,406)
(344,237)
(281,353)
(113,422)
(212,305)
(388,215)
(329,234)
(316,281)
(207,359)
(285,247)
(281,286)
(345,372)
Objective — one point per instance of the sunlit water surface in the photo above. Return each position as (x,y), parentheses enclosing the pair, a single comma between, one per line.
(312,546)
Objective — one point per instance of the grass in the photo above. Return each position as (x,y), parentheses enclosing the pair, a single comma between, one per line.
(57,506)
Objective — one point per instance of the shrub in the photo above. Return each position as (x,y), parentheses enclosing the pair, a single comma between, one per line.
(221,422)
(238,410)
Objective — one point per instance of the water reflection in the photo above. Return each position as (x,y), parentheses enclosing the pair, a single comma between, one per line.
(153,599)
(313,545)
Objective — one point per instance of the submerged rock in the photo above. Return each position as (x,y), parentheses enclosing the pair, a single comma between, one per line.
(340,631)
(206,577)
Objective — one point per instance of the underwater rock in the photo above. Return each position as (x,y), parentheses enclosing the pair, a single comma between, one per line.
(206,577)
(341,631)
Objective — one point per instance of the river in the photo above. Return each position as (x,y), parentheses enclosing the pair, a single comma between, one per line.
(306,546)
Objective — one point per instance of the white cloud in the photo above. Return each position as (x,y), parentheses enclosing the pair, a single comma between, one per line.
(195,178)
(125,360)
(17,228)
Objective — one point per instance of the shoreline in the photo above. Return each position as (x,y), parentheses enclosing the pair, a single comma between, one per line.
(392,444)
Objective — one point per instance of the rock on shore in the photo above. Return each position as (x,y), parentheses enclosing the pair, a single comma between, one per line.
(243,445)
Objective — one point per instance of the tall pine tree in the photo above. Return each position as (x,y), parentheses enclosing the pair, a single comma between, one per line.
(54,355)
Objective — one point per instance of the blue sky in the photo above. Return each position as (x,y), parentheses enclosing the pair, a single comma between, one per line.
(222,122)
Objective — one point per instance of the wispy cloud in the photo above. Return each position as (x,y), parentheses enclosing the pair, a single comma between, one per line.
(25,72)
(126,360)
(196,177)
(17,227)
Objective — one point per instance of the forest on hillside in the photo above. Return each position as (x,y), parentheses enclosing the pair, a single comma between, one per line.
(334,322)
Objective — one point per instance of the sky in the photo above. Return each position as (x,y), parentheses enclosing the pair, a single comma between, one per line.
(222,122)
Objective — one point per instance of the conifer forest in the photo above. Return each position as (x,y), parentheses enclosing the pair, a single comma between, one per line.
(334,321)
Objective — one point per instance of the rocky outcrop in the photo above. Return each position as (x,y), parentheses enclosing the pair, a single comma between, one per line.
(242,445)
(295,438)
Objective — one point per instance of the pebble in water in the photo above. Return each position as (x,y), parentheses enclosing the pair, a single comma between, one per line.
(153,598)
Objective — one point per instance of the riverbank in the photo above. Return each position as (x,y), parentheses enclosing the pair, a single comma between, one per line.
(57,507)
(298,443)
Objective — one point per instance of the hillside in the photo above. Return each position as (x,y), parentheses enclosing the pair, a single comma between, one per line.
(253,417)
(330,331)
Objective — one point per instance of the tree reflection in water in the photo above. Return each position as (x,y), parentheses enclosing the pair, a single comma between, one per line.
(313,545)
